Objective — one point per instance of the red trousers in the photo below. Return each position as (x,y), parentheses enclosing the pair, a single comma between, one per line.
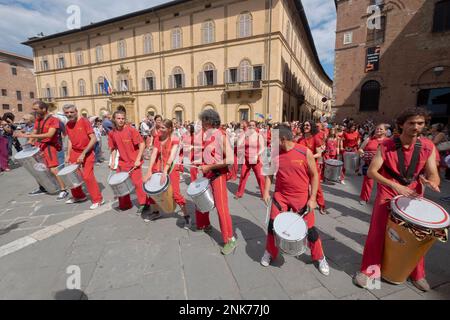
(294,203)
(320,197)
(245,172)
(373,249)
(366,189)
(219,189)
(88,177)
(175,182)
(136,178)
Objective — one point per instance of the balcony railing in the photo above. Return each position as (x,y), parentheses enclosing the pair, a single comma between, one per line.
(244,86)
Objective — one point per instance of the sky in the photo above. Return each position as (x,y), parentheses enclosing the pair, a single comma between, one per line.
(21,19)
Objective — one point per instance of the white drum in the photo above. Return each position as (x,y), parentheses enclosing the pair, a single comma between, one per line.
(290,233)
(201,193)
(162,194)
(71,176)
(351,162)
(333,170)
(121,184)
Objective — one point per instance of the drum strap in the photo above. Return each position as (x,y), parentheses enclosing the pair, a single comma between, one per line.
(300,151)
(40,129)
(406,176)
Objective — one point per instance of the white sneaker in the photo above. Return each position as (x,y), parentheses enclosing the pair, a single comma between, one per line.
(324,268)
(265,260)
(62,195)
(75,200)
(343,182)
(96,205)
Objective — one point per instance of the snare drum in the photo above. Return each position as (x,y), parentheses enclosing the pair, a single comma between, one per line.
(162,194)
(414,225)
(71,176)
(121,184)
(201,193)
(333,170)
(351,162)
(290,233)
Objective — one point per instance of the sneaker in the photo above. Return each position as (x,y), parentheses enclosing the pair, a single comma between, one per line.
(445,199)
(75,200)
(343,182)
(96,205)
(421,284)
(141,210)
(266,259)
(153,216)
(62,195)
(362,202)
(324,268)
(36,192)
(187,222)
(229,247)
(322,210)
(361,280)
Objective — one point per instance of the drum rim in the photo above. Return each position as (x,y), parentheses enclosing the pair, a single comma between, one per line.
(303,220)
(77,166)
(201,192)
(405,216)
(334,165)
(115,184)
(36,149)
(165,187)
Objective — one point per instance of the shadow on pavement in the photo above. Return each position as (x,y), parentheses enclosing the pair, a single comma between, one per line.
(10,228)
(71,295)
(233,187)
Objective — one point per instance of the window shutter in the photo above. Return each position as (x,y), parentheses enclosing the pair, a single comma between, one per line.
(153,83)
(263,73)
(214,77)
(227,76)
(144,84)
(182,81)
(200,79)
(171,82)
(251,74)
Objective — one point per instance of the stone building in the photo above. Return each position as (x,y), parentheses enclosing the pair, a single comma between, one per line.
(17,84)
(398,60)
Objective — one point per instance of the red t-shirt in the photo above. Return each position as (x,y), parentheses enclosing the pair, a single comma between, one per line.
(164,151)
(351,139)
(127,142)
(43,126)
(312,143)
(292,177)
(389,154)
(213,152)
(253,141)
(78,132)
(331,147)
(321,135)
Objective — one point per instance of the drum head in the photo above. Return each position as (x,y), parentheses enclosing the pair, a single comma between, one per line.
(334,163)
(198,186)
(154,184)
(290,226)
(421,212)
(118,178)
(26,153)
(68,169)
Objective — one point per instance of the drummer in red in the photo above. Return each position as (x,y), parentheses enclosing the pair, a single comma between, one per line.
(130,145)
(315,145)
(47,133)
(254,147)
(165,148)
(351,140)
(217,156)
(296,186)
(368,149)
(385,169)
(79,150)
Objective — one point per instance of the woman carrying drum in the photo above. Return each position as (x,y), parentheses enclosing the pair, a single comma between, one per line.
(397,168)
(165,150)
(351,139)
(368,150)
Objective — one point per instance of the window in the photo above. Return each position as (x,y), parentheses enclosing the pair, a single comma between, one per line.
(243,114)
(98,53)
(370,96)
(176,38)
(245,71)
(64,91)
(122,48)
(44,64)
(4,92)
(208,77)
(232,75)
(208,32)
(245,25)
(437,101)
(19,95)
(257,73)
(14,69)
(149,81)
(81,87)
(79,57)
(376,36)
(48,92)
(6,107)
(148,43)
(441,19)
(179,116)
(176,80)
(20,107)
(60,63)
(31,95)
(100,87)
(348,37)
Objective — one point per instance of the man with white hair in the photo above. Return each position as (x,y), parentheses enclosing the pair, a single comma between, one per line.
(80,151)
